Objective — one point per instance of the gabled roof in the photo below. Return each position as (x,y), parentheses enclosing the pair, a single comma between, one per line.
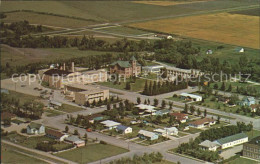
(124,64)
(249,99)
(255,141)
(109,123)
(231,138)
(171,129)
(202,121)
(73,138)
(146,133)
(208,144)
(254,106)
(34,125)
(132,58)
(143,106)
(54,133)
(121,127)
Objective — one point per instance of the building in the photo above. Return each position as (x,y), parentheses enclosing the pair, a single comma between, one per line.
(209,52)
(162,112)
(160,132)
(75,140)
(126,68)
(201,123)
(82,93)
(124,129)
(143,134)
(192,97)
(239,49)
(247,101)
(173,72)
(34,128)
(208,145)
(252,148)
(57,135)
(95,117)
(145,107)
(181,117)
(231,141)
(110,124)
(152,69)
(171,131)
(254,107)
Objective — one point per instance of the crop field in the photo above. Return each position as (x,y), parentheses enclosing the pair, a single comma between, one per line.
(221,27)
(120,11)
(123,30)
(49,20)
(167,3)
(253,12)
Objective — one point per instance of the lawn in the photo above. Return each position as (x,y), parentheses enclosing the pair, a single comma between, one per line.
(253,134)
(91,153)
(22,97)
(135,87)
(69,108)
(123,30)
(193,130)
(52,113)
(136,129)
(11,155)
(168,3)
(219,30)
(243,161)
(253,12)
(55,22)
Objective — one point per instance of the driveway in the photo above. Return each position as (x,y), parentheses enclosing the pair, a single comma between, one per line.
(231,151)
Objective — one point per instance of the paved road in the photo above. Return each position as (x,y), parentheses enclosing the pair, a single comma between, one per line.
(38,152)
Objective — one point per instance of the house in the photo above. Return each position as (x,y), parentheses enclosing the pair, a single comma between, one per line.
(254,107)
(144,107)
(143,134)
(94,117)
(54,104)
(209,52)
(188,96)
(152,69)
(75,140)
(252,149)
(233,140)
(161,132)
(110,124)
(181,117)
(150,111)
(247,101)
(208,145)
(201,123)
(239,49)
(126,68)
(34,128)
(162,112)
(223,99)
(123,129)
(171,131)
(57,135)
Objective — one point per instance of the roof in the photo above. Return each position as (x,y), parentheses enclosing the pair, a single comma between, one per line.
(132,58)
(110,123)
(254,106)
(55,72)
(124,64)
(179,116)
(160,130)
(54,133)
(73,138)
(231,138)
(4,91)
(96,116)
(55,103)
(146,133)
(190,95)
(171,129)
(143,106)
(85,89)
(202,121)
(7,115)
(164,111)
(122,127)
(255,141)
(208,144)
(34,125)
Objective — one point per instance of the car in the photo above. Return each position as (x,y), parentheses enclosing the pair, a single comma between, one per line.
(89,130)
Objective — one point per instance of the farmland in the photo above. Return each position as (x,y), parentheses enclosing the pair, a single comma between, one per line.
(252,12)
(226,28)
(167,3)
(119,11)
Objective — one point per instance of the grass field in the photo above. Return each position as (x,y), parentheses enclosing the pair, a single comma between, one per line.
(253,134)
(91,153)
(49,20)
(52,113)
(107,11)
(167,3)
(242,161)
(22,97)
(221,27)
(69,108)
(253,12)
(123,30)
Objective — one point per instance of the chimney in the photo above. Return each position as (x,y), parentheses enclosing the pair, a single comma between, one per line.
(64,66)
(72,67)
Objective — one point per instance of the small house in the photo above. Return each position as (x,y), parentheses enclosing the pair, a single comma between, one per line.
(57,135)
(240,49)
(171,131)
(181,117)
(208,145)
(209,52)
(247,101)
(233,140)
(34,128)
(110,124)
(162,112)
(201,123)
(75,140)
(188,96)
(143,134)
(123,129)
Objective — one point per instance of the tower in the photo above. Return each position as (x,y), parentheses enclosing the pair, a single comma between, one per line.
(134,69)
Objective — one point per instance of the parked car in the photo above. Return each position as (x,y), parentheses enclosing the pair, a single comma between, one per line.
(89,130)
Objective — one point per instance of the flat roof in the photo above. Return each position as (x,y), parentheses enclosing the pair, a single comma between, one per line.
(190,95)
(143,106)
(146,133)
(110,123)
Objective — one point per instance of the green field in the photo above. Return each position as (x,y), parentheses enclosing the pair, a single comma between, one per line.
(52,113)
(91,153)
(241,160)
(123,31)
(253,134)
(22,97)
(69,108)
(119,10)
(253,12)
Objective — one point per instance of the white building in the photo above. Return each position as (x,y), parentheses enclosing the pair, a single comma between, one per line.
(191,96)
(166,131)
(152,69)
(124,129)
(233,140)
(110,124)
(144,107)
(34,128)
(208,145)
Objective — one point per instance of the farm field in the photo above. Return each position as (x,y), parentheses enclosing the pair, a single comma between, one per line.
(168,3)
(120,11)
(241,160)
(48,20)
(253,12)
(123,31)
(91,153)
(226,28)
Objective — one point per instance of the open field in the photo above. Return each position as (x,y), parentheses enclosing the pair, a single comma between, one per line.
(253,12)
(69,108)
(91,153)
(241,160)
(226,28)
(168,3)
(49,20)
(123,30)
(120,11)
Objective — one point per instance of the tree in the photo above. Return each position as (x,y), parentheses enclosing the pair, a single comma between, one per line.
(170,105)
(66,129)
(155,102)
(198,112)
(185,110)
(163,104)
(108,106)
(223,86)
(148,101)
(192,109)
(205,112)
(215,86)
(128,86)
(145,101)
(76,132)
(229,88)
(218,120)
(138,100)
